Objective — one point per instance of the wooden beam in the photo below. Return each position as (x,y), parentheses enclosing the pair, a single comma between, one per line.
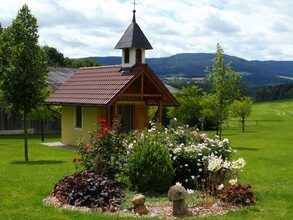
(141,95)
(115,109)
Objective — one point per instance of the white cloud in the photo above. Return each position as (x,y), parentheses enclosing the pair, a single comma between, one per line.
(250,29)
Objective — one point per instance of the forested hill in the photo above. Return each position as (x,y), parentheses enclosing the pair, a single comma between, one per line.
(256,73)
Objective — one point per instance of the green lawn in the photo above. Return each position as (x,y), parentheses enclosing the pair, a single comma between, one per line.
(266,145)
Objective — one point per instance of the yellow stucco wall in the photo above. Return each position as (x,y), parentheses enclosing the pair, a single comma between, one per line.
(90,118)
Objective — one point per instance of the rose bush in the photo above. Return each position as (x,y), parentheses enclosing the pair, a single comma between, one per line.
(105,153)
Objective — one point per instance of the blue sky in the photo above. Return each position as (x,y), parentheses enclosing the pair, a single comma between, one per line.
(250,29)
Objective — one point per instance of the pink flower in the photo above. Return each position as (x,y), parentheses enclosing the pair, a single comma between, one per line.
(204,136)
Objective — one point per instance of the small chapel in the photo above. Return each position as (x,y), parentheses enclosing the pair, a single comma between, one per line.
(105,92)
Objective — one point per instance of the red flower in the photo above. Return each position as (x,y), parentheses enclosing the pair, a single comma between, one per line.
(78,160)
(103,121)
(122,136)
(74,160)
(101,137)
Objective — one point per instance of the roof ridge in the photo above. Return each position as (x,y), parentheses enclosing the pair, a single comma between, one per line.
(100,67)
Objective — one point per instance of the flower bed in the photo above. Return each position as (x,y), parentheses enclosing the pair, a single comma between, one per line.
(152,160)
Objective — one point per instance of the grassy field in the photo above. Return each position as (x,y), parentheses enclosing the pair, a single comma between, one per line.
(266,145)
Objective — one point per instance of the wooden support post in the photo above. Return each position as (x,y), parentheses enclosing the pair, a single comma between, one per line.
(160,109)
(142,86)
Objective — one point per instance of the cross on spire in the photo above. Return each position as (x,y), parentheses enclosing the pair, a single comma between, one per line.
(134,4)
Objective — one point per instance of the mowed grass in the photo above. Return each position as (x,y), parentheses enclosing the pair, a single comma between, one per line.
(266,145)
(23,185)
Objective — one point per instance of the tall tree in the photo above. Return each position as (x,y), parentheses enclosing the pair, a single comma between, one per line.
(241,108)
(24,70)
(225,85)
(55,58)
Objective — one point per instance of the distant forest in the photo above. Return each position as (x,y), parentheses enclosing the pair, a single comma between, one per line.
(267,93)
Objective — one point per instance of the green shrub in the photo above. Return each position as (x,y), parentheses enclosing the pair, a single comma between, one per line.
(192,155)
(150,168)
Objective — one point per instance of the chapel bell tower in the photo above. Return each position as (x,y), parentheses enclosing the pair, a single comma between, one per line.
(133,44)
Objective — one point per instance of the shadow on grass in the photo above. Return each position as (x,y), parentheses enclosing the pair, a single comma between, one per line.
(38,162)
(246,148)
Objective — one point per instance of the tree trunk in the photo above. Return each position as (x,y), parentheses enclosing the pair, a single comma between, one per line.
(25,137)
(243,124)
(42,130)
(220,120)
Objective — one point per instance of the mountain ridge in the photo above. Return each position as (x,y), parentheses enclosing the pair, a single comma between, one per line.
(256,73)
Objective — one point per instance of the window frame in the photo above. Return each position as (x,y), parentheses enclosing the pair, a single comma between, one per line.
(78,117)
(138,56)
(126,55)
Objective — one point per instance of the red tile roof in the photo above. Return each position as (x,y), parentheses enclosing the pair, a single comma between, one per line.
(102,85)
(94,85)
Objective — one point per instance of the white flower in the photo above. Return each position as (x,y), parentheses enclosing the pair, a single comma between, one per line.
(178,184)
(186,165)
(193,177)
(200,170)
(227,164)
(226,141)
(130,146)
(186,180)
(238,164)
(190,191)
(221,186)
(214,162)
(233,181)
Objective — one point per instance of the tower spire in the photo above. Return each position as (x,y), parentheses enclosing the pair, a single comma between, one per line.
(134,4)
(133,44)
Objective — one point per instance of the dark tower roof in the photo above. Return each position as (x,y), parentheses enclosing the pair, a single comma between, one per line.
(133,37)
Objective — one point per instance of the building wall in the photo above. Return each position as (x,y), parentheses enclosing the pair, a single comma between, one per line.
(90,120)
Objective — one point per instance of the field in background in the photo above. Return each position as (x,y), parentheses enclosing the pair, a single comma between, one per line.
(266,145)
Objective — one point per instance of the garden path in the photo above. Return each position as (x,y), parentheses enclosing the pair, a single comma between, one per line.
(60,145)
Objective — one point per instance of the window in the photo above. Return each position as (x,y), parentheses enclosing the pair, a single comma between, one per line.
(138,56)
(126,55)
(78,117)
